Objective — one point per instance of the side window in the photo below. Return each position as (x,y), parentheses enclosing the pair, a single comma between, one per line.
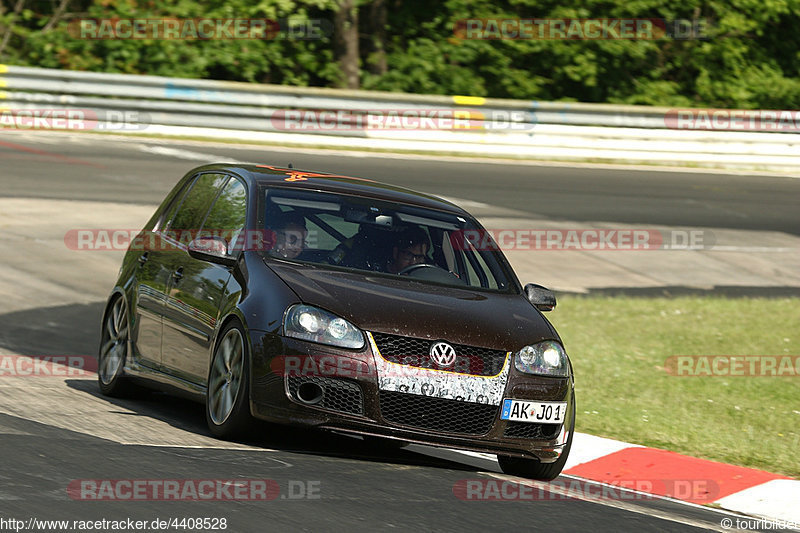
(176,201)
(228,214)
(196,202)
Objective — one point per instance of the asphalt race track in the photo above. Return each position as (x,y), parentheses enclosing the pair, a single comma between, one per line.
(55,430)
(58,166)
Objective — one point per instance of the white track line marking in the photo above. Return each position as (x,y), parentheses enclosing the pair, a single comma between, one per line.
(188,154)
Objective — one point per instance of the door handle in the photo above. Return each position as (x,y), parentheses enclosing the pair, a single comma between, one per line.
(178,274)
(143,258)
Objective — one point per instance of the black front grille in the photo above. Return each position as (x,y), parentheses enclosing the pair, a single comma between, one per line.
(338,394)
(439,414)
(415,352)
(527,430)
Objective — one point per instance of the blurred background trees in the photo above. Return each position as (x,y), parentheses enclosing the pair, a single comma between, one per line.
(751,58)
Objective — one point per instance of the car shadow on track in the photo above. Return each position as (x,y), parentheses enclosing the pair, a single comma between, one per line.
(59,330)
(189,416)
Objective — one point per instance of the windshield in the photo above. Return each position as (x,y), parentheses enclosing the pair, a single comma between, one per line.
(363,234)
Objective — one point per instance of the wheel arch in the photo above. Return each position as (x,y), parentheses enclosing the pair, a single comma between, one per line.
(116,291)
(234,314)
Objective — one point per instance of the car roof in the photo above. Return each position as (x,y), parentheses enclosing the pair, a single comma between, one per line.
(270,175)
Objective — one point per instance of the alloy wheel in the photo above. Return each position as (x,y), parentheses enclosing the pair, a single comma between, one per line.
(114,346)
(226,376)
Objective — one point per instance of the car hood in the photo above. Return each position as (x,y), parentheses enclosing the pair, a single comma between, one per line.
(404,307)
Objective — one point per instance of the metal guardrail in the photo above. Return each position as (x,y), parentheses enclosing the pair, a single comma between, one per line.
(283,97)
(540,130)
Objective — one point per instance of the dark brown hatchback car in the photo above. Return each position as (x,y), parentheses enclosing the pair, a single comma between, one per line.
(340,303)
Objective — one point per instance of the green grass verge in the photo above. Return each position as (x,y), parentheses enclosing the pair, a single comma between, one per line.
(619,347)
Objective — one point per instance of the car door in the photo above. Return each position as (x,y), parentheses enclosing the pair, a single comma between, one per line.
(152,280)
(196,290)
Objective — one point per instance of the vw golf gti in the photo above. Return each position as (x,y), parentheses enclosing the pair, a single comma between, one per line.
(340,303)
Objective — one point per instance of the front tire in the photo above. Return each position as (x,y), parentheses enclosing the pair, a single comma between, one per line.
(532,468)
(228,395)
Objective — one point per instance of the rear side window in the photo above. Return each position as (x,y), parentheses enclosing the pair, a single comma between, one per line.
(174,204)
(195,204)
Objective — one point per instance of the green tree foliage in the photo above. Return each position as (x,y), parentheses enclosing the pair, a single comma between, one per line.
(279,60)
(751,58)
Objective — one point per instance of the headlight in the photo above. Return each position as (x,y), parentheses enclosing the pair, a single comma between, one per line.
(546,358)
(313,324)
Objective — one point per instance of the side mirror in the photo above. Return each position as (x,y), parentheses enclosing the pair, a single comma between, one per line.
(542,299)
(211,249)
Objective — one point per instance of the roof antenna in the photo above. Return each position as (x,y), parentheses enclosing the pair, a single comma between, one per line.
(290,165)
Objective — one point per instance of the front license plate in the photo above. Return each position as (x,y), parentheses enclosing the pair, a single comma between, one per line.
(528,411)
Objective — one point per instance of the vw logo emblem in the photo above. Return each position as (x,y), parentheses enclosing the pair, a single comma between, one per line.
(443,354)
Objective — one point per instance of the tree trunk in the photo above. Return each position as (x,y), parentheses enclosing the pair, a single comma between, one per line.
(57,15)
(377,55)
(10,29)
(345,26)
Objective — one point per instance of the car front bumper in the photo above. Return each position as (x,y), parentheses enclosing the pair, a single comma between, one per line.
(353,401)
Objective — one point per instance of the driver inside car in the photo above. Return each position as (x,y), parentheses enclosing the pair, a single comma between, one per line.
(410,248)
(290,235)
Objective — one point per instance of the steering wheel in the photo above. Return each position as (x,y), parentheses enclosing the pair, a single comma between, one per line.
(411,268)
(429,272)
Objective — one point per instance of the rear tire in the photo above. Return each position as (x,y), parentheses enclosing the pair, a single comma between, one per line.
(534,469)
(114,347)
(228,394)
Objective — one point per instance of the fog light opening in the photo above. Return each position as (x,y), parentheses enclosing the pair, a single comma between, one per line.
(309,393)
